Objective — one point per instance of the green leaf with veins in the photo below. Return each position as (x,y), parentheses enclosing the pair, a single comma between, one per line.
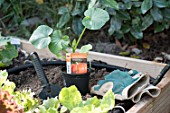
(58,42)
(41,37)
(70,97)
(95,18)
(85,48)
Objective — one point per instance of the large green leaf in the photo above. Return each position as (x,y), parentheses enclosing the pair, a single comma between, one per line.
(70,97)
(95,18)
(41,37)
(147,21)
(85,48)
(58,42)
(160,3)
(156,14)
(146,5)
(63,20)
(111,3)
(136,32)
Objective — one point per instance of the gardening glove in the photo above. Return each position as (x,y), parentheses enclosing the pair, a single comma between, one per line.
(150,90)
(125,85)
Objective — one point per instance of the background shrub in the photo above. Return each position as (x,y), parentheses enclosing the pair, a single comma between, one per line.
(129,18)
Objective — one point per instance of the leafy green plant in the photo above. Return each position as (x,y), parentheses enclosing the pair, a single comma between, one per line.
(71,100)
(7,51)
(19,99)
(45,36)
(130,18)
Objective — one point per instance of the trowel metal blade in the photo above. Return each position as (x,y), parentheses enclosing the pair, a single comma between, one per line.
(50,91)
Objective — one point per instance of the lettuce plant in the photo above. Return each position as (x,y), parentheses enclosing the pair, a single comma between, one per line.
(71,99)
(7,104)
(21,99)
(44,36)
(7,51)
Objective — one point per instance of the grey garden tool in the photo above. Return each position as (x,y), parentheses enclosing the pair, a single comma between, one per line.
(49,90)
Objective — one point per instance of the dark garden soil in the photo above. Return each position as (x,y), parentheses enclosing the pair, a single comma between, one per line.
(153,48)
(28,79)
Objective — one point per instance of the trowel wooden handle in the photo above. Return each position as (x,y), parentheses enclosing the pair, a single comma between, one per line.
(39,69)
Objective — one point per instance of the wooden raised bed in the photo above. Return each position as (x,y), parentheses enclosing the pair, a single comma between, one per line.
(161,104)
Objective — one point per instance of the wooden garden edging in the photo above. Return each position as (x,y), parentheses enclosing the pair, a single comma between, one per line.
(161,104)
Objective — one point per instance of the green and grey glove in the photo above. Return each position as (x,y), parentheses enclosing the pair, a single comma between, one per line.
(125,85)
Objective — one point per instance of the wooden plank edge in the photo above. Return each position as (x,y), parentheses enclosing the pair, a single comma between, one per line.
(149,67)
(165,83)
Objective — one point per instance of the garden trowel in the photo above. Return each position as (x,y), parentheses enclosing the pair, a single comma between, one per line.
(49,90)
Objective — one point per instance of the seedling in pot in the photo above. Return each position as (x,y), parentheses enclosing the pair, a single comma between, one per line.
(44,36)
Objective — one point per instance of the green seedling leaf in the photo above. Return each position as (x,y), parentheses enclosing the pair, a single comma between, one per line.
(85,48)
(70,97)
(146,5)
(156,14)
(95,18)
(58,42)
(111,4)
(73,43)
(63,20)
(41,37)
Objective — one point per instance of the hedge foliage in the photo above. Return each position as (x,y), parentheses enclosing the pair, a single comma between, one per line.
(129,18)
